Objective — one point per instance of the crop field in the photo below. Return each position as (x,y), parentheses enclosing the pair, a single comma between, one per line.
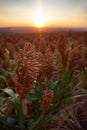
(43,81)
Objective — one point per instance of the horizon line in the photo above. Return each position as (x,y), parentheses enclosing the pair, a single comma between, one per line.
(43,27)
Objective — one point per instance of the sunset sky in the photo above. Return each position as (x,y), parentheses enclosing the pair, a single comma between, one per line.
(53,13)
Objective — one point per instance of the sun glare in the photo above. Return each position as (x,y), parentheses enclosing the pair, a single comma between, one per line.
(39,20)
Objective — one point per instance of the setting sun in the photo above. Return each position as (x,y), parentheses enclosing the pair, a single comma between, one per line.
(39,19)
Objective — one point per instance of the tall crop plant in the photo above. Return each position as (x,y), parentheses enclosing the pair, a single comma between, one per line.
(31,96)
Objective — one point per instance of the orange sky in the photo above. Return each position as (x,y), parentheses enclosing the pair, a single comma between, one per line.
(60,13)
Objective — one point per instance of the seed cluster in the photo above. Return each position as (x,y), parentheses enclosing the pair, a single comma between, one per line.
(28,69)
(33,66)
(71,53)
(47,99)
(48,65)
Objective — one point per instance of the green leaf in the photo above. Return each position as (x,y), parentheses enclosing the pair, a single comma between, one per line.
(51,84)
(10,92)
(2,99)
(3,79)
(35,124)
(50,118)
(11,120)
(58,84)
(13,65)
(67,76)
(32,98)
